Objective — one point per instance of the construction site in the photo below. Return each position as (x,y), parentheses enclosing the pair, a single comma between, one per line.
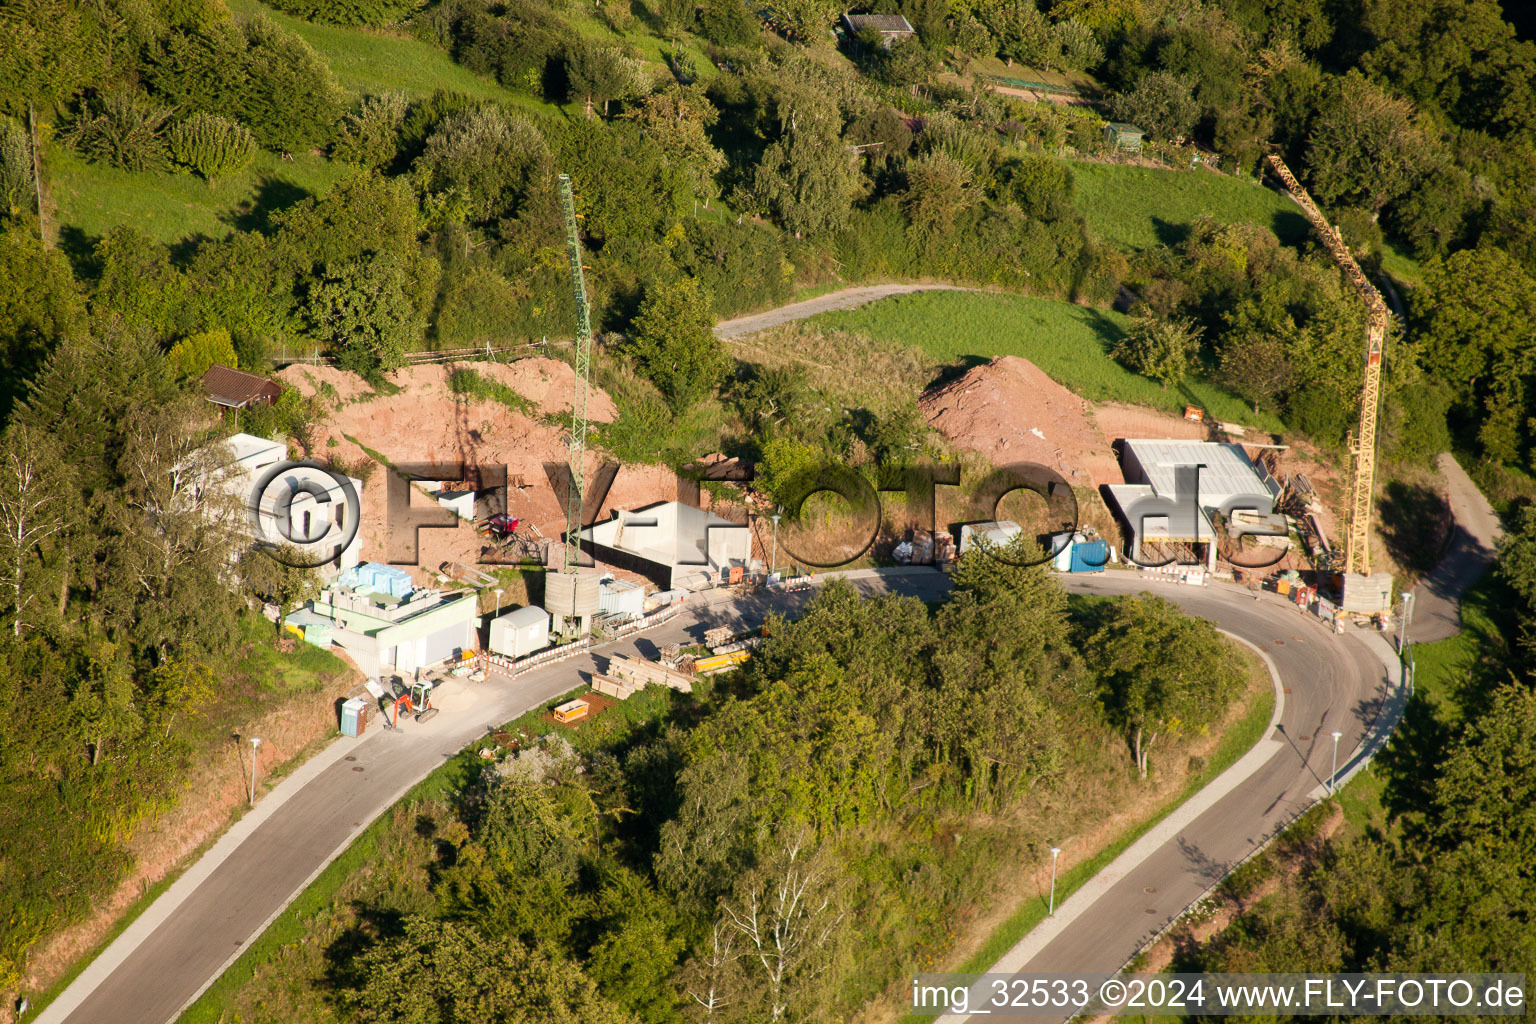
(510,498)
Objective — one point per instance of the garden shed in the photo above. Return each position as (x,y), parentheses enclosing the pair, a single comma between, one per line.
(1124,137)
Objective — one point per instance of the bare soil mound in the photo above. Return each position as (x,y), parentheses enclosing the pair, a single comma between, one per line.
(1010,411)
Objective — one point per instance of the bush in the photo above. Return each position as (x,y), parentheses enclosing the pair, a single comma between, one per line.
(211,145)
(15,167)
(370,134)
(349,12)
(192,356)
(494,156)
(124,128)
(1159,347)
(250,70)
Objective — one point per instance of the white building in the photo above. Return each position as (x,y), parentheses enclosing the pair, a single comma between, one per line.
(382,632)
(672,544)
(320,522)
(1172,487)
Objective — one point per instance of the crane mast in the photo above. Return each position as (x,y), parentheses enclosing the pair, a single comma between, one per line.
(1357,546)
(583,368)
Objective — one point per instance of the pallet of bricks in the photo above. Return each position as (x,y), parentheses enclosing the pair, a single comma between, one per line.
(625,675)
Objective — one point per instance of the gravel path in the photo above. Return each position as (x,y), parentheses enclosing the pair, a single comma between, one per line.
(846,298)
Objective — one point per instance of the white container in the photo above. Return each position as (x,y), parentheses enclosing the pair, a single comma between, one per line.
(520,631)
(620,597)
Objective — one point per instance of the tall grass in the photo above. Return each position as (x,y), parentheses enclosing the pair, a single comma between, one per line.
(1069,342)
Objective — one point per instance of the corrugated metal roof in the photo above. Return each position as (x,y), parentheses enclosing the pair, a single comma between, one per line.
(878,22)
(236,388)
(1225,472)
(1126,496)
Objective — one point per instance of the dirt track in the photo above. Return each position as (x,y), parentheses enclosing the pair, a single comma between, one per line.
(846,298)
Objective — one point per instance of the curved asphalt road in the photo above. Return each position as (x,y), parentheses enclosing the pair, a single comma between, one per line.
(183,942)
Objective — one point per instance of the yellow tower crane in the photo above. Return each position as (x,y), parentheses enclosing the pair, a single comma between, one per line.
(1357,545)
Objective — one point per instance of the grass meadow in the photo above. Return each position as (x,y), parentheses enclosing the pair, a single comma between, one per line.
(1144,207)
(1069,342)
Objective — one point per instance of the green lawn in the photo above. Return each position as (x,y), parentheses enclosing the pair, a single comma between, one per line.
(93,198)
(1143,207)
(1069,342)
(378,60)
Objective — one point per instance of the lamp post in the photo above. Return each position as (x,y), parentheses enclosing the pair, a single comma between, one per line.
(255,743)
(773,566)
(1055,852)
(1335,769)
(498,602)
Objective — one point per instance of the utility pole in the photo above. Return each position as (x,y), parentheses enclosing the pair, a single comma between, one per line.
(37,177)
(1055,852)
(1334,771)
(773,568)
(255,743)
(583,367)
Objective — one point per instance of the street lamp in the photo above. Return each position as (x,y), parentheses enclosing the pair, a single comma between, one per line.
(1055,852)
(774,566)
(498,602)
(1335,770)
(255,742)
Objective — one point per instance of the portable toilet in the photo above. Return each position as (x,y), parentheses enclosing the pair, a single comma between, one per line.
(354,717)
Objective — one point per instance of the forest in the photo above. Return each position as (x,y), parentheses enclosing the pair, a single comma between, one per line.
(727,157)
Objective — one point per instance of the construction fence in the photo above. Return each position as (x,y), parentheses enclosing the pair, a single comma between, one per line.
(512,667)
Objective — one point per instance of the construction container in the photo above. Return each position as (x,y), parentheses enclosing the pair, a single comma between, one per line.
(354,717)
(383,579)
(571,711)
(318,633)
(520,631)
(620,597)
(993,535)
(1089,556)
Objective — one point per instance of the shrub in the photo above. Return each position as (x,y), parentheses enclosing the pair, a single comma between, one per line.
(124,128)
(211,145)
(349,12)
(15,167)
(494,156)
(370,134)
(192,356)
(1160,348)
(252,71)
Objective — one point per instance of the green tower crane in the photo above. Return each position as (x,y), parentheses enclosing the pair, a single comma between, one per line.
(583,368)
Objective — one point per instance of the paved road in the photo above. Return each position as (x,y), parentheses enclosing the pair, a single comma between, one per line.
(846,298)
(172,952)
(1475,535)
(1330,682)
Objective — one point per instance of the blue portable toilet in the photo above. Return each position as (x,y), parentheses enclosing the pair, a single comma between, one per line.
(354,717)
(1089,556)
